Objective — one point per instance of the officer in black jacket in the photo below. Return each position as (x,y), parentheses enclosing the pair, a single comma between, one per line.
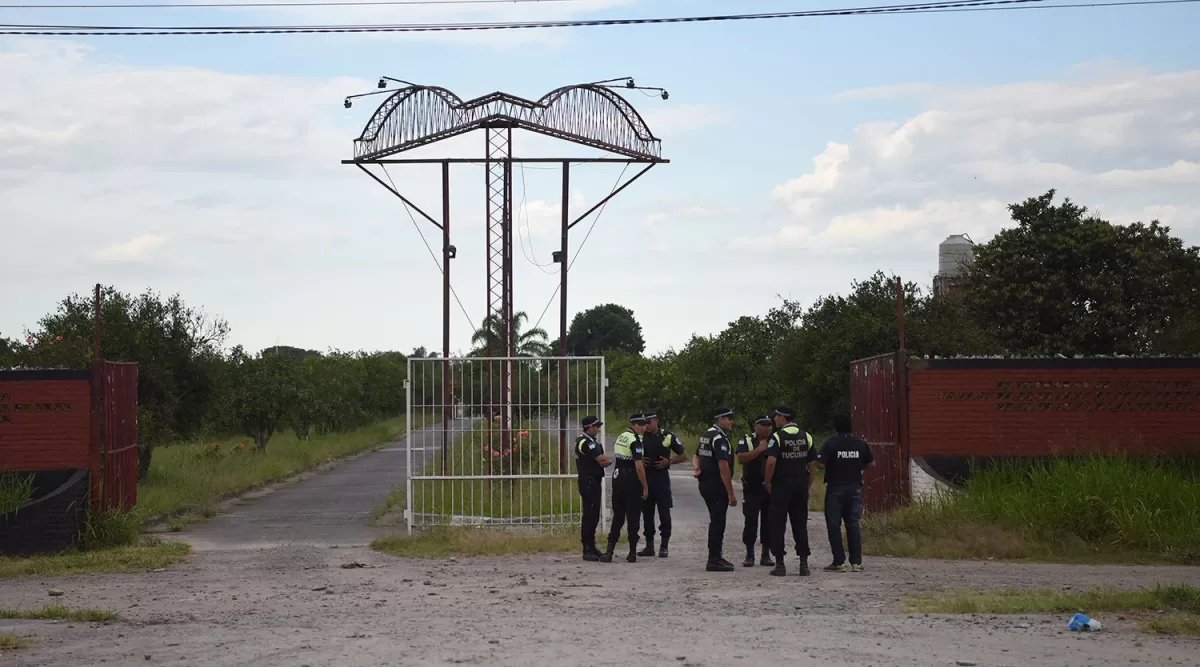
(590,462)
(752,456)
(629,488)
(711,465)
(791,461)
(662,448)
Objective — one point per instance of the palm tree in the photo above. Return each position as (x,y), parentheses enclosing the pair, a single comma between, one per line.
(532,343)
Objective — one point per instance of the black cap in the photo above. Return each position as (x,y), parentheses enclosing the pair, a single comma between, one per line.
(637,418)
(591,421)
(722,412)
(785,411)
(653,414)
(764,420)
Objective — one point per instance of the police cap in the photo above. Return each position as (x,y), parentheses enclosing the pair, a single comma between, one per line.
(590,421)
(763,420)
(785,411)
(637,419)
(653,414)
(722,412)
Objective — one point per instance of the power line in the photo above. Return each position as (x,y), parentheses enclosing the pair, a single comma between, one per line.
(316,3)
(927,8)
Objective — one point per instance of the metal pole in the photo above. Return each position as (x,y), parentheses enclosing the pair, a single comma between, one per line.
(900,308)
(562,319)
(445,312)
(408,443)
(96,325)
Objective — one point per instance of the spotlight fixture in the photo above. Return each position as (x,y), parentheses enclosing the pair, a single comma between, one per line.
(451,252)
(348,103)
(382,83)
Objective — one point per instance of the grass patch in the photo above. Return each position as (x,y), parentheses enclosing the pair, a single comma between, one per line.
(11,642)
(396,498)
(1182,603)
(442,542)
(1102,509)
(191,478)
(61,613)
(15,491)
(147,555)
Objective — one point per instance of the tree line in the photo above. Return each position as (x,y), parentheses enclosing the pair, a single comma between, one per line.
(1057,282)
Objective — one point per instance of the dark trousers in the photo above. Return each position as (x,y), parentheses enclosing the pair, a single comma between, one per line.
(626,506)
(843,503)
(756,503)
(660,498)
(589,493)
(789,501)
(717,500)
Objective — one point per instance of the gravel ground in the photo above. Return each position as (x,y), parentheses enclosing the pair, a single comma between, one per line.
(261,603)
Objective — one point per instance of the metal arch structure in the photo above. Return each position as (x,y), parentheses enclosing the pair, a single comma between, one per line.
(591,114)
(588,114)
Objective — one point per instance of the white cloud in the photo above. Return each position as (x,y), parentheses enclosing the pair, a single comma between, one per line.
(1122,140)
(136,249)
(692,212)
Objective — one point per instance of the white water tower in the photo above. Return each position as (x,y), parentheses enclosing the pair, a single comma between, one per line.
(954,254)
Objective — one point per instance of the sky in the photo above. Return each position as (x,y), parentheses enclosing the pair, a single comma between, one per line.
(804,154)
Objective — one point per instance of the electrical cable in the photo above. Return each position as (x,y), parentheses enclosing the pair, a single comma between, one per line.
(530,256)
(436,263)
(927,8)
(581,244)
(268,5)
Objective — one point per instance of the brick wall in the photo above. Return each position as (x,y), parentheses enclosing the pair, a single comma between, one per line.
(1031,407)
(44,420)
(52,522)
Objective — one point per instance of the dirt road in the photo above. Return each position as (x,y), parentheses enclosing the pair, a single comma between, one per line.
(242,600)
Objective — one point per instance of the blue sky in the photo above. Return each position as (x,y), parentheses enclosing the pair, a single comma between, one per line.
(805,153)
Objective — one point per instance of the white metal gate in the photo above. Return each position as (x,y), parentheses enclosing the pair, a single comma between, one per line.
(490,439)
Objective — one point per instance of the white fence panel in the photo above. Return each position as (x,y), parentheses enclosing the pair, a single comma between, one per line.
(491,439)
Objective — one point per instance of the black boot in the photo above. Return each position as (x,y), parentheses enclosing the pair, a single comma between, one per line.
(632,557)
(649,550)
(589,552)
(804,571)
(662,549)
(606,557)
(718,565)
(780,570)
(766,561)
(749,562)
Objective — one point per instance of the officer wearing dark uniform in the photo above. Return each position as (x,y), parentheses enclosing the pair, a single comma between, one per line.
(752,455)
(791,460)
(712,467)
(629,488)
(844,457)
(662,448)
(590,462)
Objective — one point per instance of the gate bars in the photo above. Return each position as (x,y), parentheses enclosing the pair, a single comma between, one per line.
(468,463)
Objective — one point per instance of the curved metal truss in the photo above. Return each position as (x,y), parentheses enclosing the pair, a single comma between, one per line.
(586,114)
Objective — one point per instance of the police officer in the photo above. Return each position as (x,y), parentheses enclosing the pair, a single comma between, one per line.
(590,462)
(844,457)
(752,456)
(712,465)
(629,487)
(791,461)
(662,448)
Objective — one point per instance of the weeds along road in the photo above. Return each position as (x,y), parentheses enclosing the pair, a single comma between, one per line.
(268,587)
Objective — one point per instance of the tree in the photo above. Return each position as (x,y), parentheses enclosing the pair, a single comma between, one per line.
(264,393)
(177,349)
(605,328)
(488,339)
(1065,282)
(8,352)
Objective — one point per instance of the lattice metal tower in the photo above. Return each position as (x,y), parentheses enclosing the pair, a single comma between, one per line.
(591,114)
